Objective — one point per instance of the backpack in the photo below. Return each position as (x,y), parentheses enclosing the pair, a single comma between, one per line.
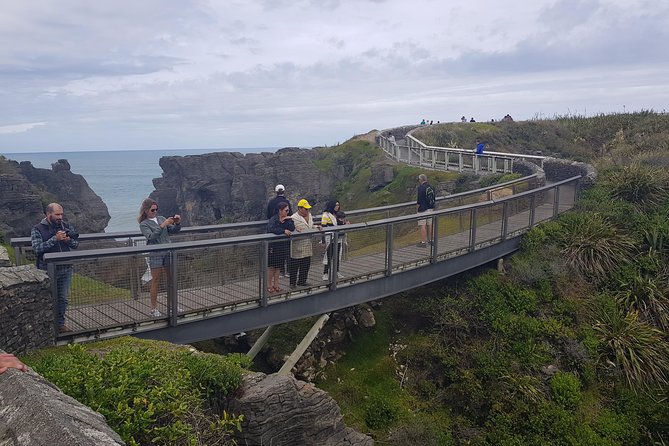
(430,196)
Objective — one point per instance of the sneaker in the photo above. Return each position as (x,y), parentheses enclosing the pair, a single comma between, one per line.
(155,312)
(421,244)
(325,277)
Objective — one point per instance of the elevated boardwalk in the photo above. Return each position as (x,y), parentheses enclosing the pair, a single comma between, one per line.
(218,285)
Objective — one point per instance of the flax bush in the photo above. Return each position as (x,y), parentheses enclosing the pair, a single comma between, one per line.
(637,351)
(592,245)
(640,184)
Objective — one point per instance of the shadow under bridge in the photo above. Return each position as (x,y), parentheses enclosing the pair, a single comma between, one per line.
(218,287)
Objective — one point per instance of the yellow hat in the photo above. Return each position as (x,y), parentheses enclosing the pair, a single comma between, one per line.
(303,204)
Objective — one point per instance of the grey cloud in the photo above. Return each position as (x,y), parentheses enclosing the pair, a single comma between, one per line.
(566,14)
(69,67)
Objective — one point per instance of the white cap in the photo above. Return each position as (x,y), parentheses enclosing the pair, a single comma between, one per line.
(279,188)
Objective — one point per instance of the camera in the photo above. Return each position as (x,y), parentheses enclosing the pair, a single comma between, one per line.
(68,232)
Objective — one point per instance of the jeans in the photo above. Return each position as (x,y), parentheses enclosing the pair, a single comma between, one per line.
(63,281)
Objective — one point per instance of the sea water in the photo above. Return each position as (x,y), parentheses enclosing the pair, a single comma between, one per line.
(121,178)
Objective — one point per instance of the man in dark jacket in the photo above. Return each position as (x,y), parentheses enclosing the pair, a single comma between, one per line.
(274,202)
(53,234)
(425,204)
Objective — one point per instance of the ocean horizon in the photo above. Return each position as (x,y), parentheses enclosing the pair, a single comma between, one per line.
(122,178)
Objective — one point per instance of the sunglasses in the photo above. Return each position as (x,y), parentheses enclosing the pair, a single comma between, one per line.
(153,210)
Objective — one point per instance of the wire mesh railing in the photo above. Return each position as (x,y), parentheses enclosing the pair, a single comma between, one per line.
(24,254)
(111,288)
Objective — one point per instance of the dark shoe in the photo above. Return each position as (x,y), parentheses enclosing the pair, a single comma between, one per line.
(304,284)
(64,329)
(421,244)
(292,287)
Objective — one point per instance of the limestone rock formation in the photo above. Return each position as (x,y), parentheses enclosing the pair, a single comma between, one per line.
(25,189)
(206,189)
(280,410)
(35,413)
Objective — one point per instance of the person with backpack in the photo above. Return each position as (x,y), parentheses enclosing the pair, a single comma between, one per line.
(426,199)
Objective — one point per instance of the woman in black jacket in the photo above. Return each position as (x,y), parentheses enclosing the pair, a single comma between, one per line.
(281,223)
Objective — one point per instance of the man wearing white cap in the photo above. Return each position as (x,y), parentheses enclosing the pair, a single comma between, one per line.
(301,248)
(274,202)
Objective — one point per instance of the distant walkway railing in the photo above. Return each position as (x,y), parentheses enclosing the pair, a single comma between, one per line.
(217,280)
(415,152)
(24,255)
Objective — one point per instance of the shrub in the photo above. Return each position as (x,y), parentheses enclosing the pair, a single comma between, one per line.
(592,245)
(638,351)
(640,184)
(380,413)
(643,288)
(149,392)
(566,389)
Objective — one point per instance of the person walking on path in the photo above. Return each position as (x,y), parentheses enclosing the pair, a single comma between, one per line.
(274,202)
(425,202)
(479,147)
(53,234)
(157,230)
(301,249)
(279,224)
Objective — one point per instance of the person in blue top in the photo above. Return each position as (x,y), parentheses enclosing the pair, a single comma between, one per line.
(157,230)
(479,147)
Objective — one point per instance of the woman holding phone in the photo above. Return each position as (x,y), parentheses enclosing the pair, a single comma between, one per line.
(157,230)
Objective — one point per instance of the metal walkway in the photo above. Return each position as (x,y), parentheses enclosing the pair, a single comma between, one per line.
(217,285)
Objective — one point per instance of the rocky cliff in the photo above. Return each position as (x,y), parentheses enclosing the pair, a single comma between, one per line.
(231,186)
(25,190)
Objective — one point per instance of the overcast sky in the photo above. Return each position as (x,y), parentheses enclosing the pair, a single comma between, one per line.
(158,74)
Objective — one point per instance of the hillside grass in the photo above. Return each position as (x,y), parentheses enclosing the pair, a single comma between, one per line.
(570,347)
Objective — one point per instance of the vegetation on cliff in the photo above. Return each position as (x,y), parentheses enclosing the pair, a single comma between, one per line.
(150,392)
(570,347)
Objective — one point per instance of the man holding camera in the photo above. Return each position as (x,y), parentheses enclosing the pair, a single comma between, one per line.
(52,234)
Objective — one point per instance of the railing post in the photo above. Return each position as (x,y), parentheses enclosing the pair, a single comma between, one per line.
(334,262)
(505,219)
(390,239)
(461,162)
(262,277)
(172,299)
(51,271)
(435,237)
(556,201)
(533,199)
(472,230)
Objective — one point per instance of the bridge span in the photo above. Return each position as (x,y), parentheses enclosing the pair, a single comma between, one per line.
(217,284)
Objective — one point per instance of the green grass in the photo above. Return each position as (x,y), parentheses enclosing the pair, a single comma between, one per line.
(85,290)
(366,385)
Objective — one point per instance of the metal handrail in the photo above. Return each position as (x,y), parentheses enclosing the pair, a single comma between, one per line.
(198,269)
(18,242)
(105,252)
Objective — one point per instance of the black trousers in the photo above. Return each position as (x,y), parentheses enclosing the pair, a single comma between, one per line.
(298,270)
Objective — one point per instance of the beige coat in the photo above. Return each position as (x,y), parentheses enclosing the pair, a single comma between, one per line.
(301,247)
